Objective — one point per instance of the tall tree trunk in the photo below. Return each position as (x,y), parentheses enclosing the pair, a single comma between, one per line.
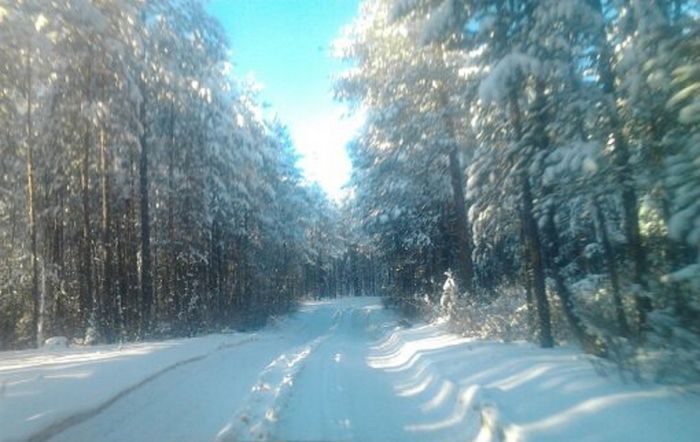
(609,255)
(107,301)
(588,341)
(58,263)
(170,263)
(465,265)
(464,243)
(532,237)
(625,176)
(529,298)
(534,248)
(88,296)
(146,274)
(31,205)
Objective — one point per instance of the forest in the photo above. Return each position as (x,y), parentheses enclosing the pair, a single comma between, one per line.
(531,169)
(142,193)
(528,169)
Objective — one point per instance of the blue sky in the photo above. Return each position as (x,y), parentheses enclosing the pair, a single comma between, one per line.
(284,44)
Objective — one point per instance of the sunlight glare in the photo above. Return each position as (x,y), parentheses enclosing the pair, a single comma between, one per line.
(321,141)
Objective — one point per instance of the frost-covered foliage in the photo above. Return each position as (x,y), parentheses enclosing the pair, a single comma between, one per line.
(672,354)
(449,297)
(503,317)
(683,168)
(506,74)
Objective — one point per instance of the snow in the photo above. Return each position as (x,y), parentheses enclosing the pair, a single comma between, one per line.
(401,7)
(502,78)
(268,396)
(577,11)
(345,369)
(690,114)
(437,22)
(56,342)
(531,394)
(570,161)
(40,22)
(41,388)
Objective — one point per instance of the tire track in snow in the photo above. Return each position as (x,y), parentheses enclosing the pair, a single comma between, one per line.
(257,419)
(337,396)
(78,418)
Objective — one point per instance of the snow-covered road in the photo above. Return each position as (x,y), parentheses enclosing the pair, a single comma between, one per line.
(335,370)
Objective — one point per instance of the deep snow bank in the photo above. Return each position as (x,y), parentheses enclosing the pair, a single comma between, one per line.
(478,390)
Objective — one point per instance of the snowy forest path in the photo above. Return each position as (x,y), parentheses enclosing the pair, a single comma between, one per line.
(196,400)
(338,396)
(349,369)
(219,395)
(307,377)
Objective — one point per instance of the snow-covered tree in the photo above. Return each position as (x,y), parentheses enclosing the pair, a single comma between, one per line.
(156,198)
(576,128)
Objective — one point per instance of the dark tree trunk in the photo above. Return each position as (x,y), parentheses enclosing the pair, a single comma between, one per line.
(534,248)
(621,160)
(88,295)
(587,340)
(464,244)
(107,304)
(609,255)
(146,274)
(31,206)
(169,285)
(529,298)
(465,265)
(531,235)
